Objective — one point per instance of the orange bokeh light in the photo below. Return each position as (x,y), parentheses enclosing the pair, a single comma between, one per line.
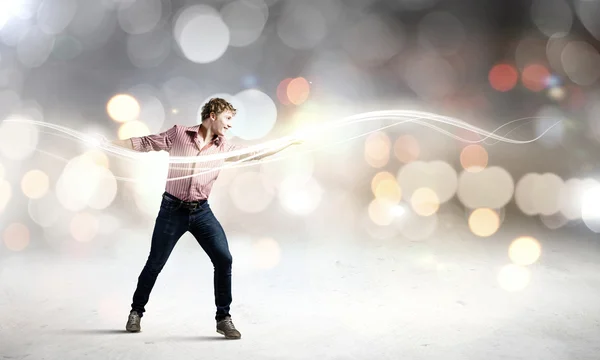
(282,91)
(535,76)
(298,90)
(503,77)
(474,158)
(407,149)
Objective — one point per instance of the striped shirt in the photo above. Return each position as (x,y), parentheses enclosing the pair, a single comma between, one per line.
(184,141)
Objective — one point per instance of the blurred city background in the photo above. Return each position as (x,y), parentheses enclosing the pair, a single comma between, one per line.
(123,68)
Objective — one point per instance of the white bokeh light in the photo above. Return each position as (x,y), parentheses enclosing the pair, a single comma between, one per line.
(46,210)
(196,43)
(437,175)
(590,208)
(35,47)
(246,20)
(53,16)
(492,187)
(138,17)
(18,140)
(300,196)
(552,16)
(258,117)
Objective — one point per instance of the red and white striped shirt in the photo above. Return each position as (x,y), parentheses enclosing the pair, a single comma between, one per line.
(184,141)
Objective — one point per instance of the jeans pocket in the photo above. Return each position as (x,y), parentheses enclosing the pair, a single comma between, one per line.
(170,205)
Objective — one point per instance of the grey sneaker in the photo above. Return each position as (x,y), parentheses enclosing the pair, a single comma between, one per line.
(226,327)
(133,322)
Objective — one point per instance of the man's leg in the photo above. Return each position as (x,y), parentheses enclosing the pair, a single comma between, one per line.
(210,235)
(170,225)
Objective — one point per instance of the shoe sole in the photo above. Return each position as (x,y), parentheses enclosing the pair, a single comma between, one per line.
(229,337)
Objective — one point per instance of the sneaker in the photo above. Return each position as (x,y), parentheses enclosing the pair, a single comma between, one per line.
(133,322)
(226,327)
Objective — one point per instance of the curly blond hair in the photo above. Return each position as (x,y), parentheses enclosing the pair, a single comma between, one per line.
(216,105)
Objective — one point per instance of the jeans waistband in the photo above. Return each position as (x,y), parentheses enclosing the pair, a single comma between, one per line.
(187,204)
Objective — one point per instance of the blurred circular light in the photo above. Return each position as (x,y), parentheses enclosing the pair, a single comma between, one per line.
(35,184)
(425,202)
(282,89)
(407,149)
(300,196)
(53,16)
(197,44)
(473,158)
(133,128)
(138,17)
(258,116)
(379,178)
(123,108)
(552,16)
(441,32)
(298,90)
(535,77)
(388,189)
(524,250)
(16,236)
(84,227)
(267,253)
(381,212)
(514,278)
(246,20)
(18,140)
(581,62)
(5,194)
(492,187)
(377,149)
(590,208)
(484,222)
(503,77)
(437,176)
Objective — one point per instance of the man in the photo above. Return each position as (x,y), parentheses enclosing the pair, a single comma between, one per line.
(184,206)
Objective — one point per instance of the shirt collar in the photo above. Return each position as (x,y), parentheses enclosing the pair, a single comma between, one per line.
(217,140)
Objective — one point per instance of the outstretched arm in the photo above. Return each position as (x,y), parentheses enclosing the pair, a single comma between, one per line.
(155,142)
(253,155)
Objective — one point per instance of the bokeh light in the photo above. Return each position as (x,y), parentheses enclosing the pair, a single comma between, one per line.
(133,128)
(552,16)
(35,184)
(535,77)
(539,194)
(380,212)
(513,277)
(300,196)
(295,31)
(18,140)
(123,108)
(298,90)
(379,178)
(282,91)
(581,62)
(407,148)
(503,77)
(377,149)
(245,20)
(473,158)
(437,176)
(197,44)
(16,236)
(5,194)
(493,187)
(267,253)
(84,226)
(388,189)
(524,250)
(590,207)
(484,222)
(256,115)
(46,210)
(425,201)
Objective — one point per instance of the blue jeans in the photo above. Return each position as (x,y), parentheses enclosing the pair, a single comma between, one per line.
(175,218)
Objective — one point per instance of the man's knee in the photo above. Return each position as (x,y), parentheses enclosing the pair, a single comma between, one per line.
(223,261)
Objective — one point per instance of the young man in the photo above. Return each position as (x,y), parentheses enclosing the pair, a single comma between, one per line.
(184,206)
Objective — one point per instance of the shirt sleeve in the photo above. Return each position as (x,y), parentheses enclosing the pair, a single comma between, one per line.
(155,142)
(234,147)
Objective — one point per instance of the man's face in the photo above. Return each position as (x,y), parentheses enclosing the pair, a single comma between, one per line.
(222,122)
